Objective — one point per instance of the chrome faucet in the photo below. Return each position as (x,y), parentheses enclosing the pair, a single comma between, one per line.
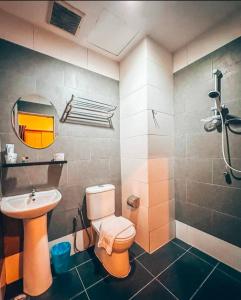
(32,195)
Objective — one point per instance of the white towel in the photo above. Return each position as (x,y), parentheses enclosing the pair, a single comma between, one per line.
(110,229)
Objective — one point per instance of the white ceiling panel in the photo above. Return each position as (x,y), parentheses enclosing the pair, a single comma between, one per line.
(111,34)
(111,26)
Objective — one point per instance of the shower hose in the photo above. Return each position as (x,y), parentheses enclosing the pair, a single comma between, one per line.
(228,164)
(75,222)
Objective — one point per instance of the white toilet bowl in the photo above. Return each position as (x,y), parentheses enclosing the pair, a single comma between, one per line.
(100,202)
(117,264)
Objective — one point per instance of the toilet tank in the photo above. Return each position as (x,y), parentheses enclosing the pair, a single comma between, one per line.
(100,201)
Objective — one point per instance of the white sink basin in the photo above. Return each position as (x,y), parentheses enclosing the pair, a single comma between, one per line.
(37,277)
(24,207)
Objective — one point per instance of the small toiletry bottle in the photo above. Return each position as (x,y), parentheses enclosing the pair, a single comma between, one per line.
(9,148)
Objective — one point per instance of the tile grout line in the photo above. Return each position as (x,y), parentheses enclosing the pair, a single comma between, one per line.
(181,246)
(83,263)
(76,266)
(72,298)
(98,281)
(146,269)
(198,289)
(196,254)
(155,278)
(230,276)
(135,258)
(136,293)
(166,288)
(203,259)
(82,283)
(172,263)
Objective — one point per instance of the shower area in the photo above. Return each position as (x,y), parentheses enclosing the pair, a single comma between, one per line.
(207,115)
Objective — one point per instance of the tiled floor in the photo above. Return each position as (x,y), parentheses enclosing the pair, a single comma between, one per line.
(175,271)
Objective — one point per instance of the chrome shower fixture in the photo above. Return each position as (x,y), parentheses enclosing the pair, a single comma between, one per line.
(222,121)
(216,93)
(214,122)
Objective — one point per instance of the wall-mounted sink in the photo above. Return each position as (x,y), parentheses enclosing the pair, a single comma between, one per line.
(33,208)
(27,206)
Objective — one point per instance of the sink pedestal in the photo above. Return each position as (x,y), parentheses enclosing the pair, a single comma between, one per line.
(37,277)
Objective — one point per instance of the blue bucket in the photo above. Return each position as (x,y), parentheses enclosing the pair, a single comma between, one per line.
(60,254)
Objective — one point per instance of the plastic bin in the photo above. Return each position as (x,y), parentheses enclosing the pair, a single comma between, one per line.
(60,254)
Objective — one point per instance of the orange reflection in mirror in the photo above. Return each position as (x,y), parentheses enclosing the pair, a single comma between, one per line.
(36,131)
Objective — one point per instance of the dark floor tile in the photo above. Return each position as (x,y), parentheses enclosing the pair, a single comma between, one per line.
(160,259)
(229,271)
(121,289)
(64,287)
(181,243)
(209,259)
(185,276)
(81,257)
(91,272)
(219,286)
(154,291)
(135,251)
(82,296)
(14,289)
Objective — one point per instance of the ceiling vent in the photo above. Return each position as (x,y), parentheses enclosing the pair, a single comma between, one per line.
(65,17)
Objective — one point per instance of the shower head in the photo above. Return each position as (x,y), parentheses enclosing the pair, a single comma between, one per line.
(214,94)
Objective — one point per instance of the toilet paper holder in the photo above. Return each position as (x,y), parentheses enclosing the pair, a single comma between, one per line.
(133,201)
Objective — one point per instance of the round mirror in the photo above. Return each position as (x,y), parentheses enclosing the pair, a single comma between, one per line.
(34,121)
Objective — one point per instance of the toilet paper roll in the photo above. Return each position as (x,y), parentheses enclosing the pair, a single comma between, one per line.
(133,201)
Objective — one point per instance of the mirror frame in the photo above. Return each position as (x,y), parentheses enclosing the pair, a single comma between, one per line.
(36,114)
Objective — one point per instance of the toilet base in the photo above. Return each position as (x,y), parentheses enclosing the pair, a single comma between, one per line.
(117,264)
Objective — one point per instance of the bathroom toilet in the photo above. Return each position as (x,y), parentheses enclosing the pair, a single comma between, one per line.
(100,201)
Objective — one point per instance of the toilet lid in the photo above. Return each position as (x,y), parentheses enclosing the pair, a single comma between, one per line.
(126,234)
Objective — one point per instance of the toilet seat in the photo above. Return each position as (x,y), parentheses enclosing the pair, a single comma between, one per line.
(127,234)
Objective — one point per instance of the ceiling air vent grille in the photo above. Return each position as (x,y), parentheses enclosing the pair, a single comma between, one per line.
(64,17)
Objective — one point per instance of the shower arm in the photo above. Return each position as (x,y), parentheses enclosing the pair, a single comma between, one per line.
(217,86)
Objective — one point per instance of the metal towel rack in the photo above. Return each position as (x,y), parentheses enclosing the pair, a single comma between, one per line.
(88,112)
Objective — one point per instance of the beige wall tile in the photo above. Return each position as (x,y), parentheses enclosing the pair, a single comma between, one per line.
(160,146)
(160,169)
(180,59)
(31,36)
(159,99)
(209,41)
(102,65)
(182,231)
(160,124)
(134,125)
(136,188)
(55,46)
(160,191)
(140,218)
(136,169)
(161,214)
(159,55)
(133,70)
(135,147)
(223,251)
(161,236)
(133,103)
(16,30)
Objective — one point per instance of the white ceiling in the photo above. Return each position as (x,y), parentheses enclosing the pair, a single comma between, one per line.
(113,27)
